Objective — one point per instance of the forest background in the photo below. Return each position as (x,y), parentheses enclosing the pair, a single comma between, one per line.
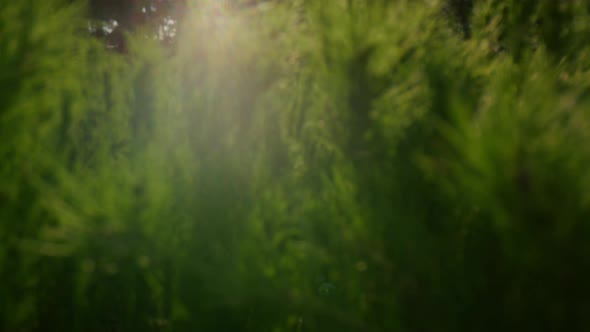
(302,165)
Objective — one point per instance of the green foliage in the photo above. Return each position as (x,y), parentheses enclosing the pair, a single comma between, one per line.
(310,165)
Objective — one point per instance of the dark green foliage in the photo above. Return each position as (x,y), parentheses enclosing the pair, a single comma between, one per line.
(298,166)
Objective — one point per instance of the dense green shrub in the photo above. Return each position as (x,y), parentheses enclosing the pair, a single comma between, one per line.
(310,165)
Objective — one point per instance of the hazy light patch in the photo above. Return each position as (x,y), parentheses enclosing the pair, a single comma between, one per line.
(216,16)
(218,45)
(220,27)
